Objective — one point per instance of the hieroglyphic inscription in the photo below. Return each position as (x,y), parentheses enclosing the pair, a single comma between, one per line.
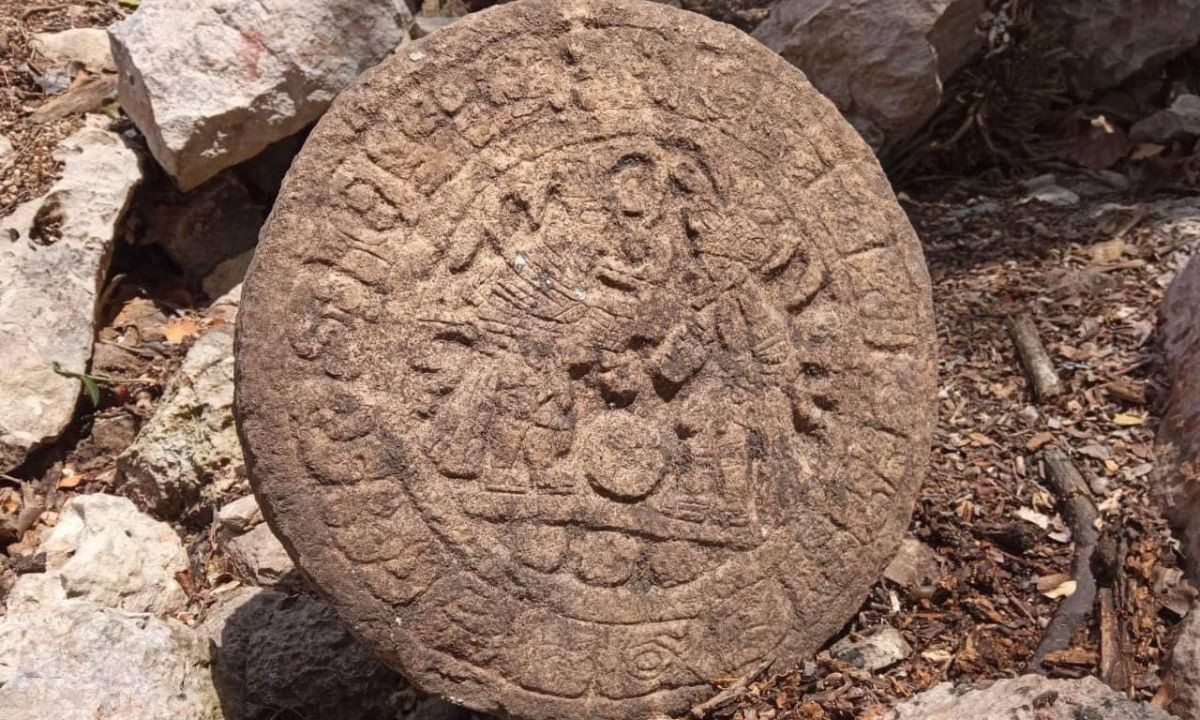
(587,357)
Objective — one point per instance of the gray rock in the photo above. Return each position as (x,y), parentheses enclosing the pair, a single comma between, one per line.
(6,151)
(204,228)
(78,661)
(1183,664)
(54,253)
(883,63)
(1029,696)
(227,274)
(915,563)
(103,550)
(282,655)
(213,82)
(1113,39)
(238,517)
(1182,118)
(1045,189)
(872,651)
(189,450)
(259,557)
(65,53)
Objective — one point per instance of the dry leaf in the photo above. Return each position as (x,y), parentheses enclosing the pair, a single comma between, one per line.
(1030,515)
(1107,252)
(1038,440)
(1066,588)
(179,329)
(69,481)
(1129,419)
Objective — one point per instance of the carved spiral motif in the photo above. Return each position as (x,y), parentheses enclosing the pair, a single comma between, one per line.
(586,357)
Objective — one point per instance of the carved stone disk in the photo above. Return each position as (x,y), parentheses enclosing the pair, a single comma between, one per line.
(586,357)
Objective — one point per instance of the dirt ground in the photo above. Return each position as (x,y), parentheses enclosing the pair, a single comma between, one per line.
(1091,277)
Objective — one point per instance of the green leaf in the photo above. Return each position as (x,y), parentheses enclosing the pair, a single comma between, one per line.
(92,388)
(129,3)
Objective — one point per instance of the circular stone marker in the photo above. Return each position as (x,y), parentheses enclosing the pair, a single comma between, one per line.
(586,358)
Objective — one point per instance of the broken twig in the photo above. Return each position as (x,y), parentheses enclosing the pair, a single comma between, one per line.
(1080,513)
(731,693)
(1038,366)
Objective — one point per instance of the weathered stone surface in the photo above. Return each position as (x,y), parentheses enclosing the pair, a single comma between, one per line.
(103,550)
(201,229)
(598,366)
(259,557)
(213,82)
(876,650)
(281,655)
(881,63)
(1177,448)
(915,563)
(1182,118)
(1029,696)
(1113,39)
(54,252)
(1183,664)
(189,450)
(78,661)
(64,53)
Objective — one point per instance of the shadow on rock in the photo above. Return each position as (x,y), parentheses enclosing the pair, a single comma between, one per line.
(281,655)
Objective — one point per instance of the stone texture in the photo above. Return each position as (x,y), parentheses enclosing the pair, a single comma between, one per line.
(188,450)
(63,54)
(915,564)
(1113,39)
(54,252)
(78,661)
(103,550)
(1181,119)
(586,356)
(1183,665)
(280,655)
(259,557)
(1177,448)
(213,82)
(882,63)
(206,227)
(1029,696)
(873,651)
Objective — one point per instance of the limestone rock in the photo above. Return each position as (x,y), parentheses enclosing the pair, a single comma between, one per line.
(1027,696)
(882,63)
(54,252)
(568,399)
(873,651)
(278,654)
(65,53)
(1177,448)
(213,82)
(915,563)
(206,227)
(78,661)
(1113,39)
(6,151)
(228,274)
(1182,118)
(189,450)
(103,550)
(258,556)
(239,517)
